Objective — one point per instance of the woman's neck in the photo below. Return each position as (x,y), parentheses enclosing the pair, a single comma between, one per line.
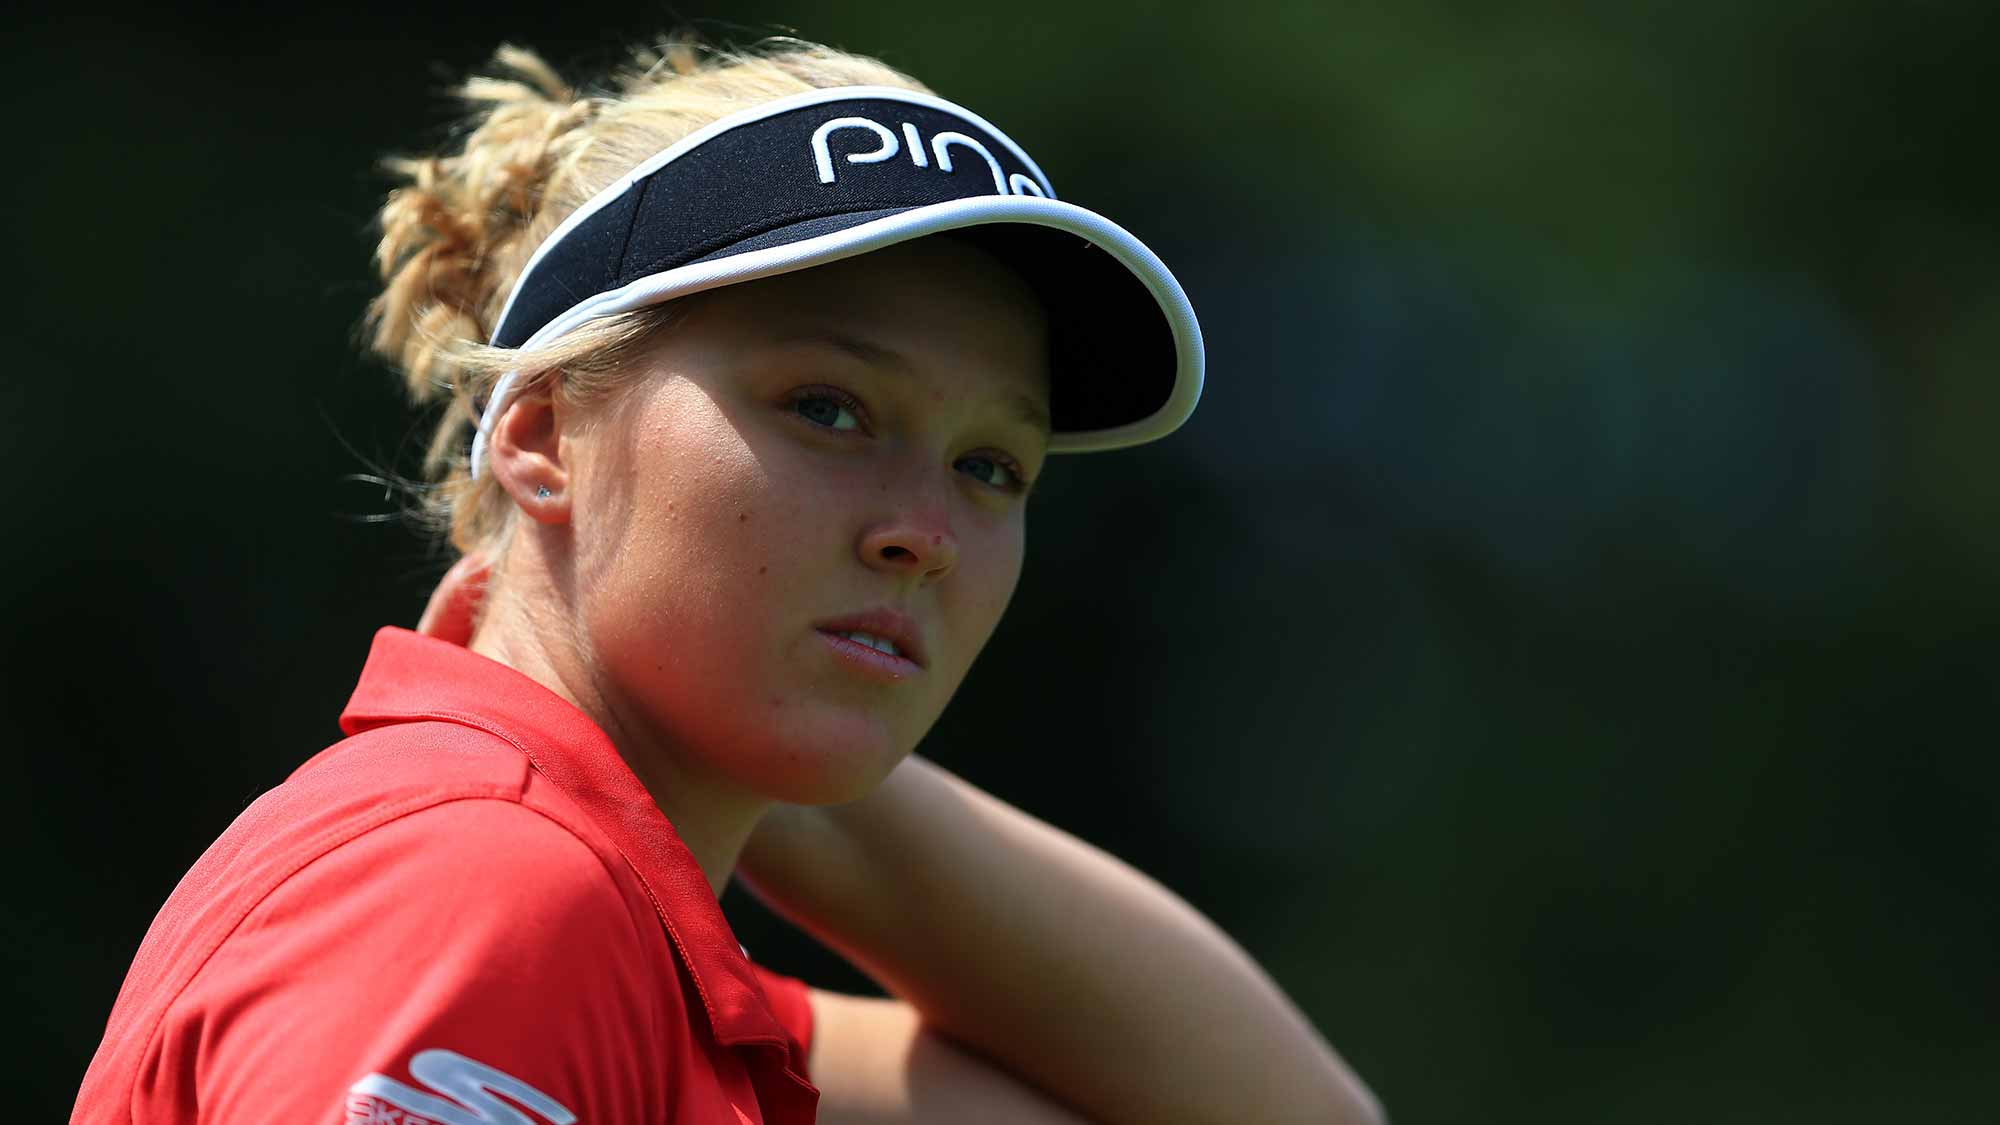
(713,818)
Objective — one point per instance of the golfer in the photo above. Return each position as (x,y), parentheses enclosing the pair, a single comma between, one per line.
(745,365)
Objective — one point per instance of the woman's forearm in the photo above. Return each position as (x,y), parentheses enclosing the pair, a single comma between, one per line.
(1050,957)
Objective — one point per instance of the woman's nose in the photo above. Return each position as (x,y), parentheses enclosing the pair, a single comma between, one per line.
(911,546)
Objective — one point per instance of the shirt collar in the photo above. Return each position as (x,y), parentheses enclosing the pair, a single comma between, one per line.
(411,677)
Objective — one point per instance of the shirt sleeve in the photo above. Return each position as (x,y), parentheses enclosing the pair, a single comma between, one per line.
(788,997)
(444,967)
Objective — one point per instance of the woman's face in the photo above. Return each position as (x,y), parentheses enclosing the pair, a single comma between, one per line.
(840,450)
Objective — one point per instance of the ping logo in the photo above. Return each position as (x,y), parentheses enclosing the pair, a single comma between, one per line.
(940,149)
(462,1094)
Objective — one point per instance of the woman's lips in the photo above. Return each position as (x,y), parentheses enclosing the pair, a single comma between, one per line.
(869,659)
(880,628)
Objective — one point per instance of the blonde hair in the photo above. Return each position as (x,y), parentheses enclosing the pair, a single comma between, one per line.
(459,230)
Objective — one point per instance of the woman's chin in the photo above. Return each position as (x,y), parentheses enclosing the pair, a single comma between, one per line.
(840,763)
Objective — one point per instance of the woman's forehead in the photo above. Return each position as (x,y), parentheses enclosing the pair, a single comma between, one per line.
(954,308)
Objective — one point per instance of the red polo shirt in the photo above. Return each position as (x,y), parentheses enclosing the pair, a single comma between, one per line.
(468,911)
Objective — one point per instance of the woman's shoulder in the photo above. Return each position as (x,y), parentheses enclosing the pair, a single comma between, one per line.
(350,790)
(394,759)
(367,901)
(418,801)
(404,818)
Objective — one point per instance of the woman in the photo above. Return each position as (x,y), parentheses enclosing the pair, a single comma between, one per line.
(748,368)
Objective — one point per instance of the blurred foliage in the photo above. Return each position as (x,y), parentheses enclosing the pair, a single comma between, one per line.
(1558,649)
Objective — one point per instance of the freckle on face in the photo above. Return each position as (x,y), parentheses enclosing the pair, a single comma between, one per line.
(710,431)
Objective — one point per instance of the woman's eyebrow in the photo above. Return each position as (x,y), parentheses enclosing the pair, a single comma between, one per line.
(1027,410)
(854,346)
(1025,407)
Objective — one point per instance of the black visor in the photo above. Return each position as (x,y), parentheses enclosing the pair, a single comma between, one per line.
(826,175)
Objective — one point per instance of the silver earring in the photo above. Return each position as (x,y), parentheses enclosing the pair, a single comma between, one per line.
(542,493)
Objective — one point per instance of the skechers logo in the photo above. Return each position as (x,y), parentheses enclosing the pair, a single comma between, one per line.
(940,150)
(462,1095)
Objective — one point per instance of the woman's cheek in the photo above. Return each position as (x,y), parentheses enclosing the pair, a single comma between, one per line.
(989,588)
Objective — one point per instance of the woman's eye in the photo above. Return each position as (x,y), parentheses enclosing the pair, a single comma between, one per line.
(826,410)
(990,471)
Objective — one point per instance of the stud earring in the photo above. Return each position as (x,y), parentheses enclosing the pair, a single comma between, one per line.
(542,493)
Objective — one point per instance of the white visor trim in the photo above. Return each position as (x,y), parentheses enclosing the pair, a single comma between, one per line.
(826,175)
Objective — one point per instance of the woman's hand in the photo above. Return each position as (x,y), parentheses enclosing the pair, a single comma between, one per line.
(454,605)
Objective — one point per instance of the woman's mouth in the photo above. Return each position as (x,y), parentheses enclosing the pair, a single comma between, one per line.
(880,644)
(873,655)
(885,642)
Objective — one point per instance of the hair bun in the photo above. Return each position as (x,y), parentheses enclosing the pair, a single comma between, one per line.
(462,223)
(457,232)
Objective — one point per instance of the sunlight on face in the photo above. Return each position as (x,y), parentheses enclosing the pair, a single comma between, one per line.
(794,537)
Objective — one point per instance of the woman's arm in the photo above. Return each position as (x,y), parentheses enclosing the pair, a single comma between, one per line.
(1072,971)
(876,1064)
(1064,966)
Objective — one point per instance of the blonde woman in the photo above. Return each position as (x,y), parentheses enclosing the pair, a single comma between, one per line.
(747,364)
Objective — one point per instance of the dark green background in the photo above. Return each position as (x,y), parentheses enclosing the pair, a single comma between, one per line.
(1561,648)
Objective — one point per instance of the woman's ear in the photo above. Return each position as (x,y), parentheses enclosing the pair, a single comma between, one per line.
(527,454)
